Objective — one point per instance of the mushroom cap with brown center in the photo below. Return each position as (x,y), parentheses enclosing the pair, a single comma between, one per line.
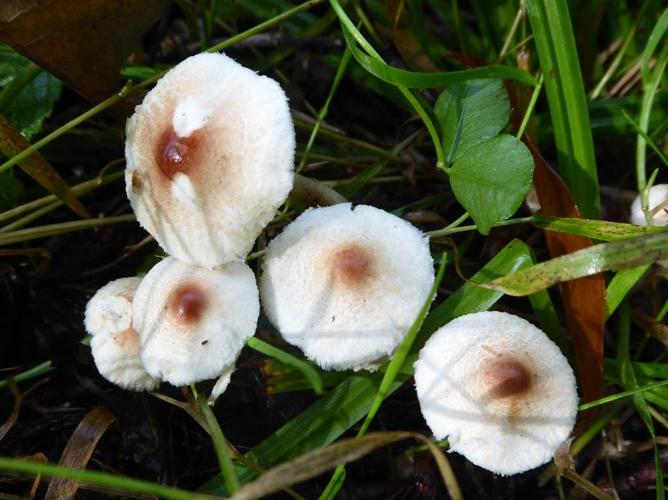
(345,283)
(657,198)
(498,389)
(209,159)
(192,321)
(115,345)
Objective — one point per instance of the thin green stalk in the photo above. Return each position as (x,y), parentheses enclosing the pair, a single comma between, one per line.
(23,221)
(264,25)
(650,89)
(621,395)
(650,83)
(446,231)
(34,233)
(110,101)
(35,371)
(115,481)
(613,65)
(531,106)
(340,71)
(305,124)
(645,136)
(79,189)
(348,25)
(219,444)
(521,12)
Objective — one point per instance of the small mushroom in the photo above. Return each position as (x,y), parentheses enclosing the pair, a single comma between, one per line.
(345,283)
(498,389)
(658,207)
(192,321)
(115,345)
(209,159)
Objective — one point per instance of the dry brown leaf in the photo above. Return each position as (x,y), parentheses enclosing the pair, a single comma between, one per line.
(79,449)
(318,461)
(82,42)
(584,298)
(36,166)
(404,39)
(650,325)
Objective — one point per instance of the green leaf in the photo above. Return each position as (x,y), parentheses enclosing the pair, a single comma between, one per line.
(11,190)
(33,104)
(471,113)
(592,260)
(335,413)
(491,180)
(28,94)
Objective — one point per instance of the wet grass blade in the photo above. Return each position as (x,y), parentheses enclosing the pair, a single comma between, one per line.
(587,262)
(310,373)
(594,229)
(559,62)
(115,481)
(620,285)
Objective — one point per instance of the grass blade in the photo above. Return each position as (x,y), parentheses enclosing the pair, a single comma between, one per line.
(308,370)
(559,63)
(587,262)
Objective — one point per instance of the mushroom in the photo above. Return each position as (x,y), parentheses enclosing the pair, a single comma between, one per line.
(499,389)
(658,207)
(192,321)
(115,345)
(345,283)
(209,159)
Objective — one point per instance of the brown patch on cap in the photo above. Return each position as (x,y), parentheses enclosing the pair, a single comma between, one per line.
(175,154)
(127,339)
(188,303)
(352,265)
(507,378)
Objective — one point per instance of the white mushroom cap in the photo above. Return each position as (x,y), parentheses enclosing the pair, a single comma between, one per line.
(192,321)
(658,195)
(117,359)
(115,345)
(345,283)
(110,309)
(499,389)
(209,159)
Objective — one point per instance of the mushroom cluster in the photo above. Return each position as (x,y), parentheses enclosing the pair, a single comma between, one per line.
(209,161)
(209,157)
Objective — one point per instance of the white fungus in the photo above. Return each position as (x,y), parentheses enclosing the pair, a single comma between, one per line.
(115,345)
(498,389)
(192,321)
(658,207)
(345,283)
(209,159)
